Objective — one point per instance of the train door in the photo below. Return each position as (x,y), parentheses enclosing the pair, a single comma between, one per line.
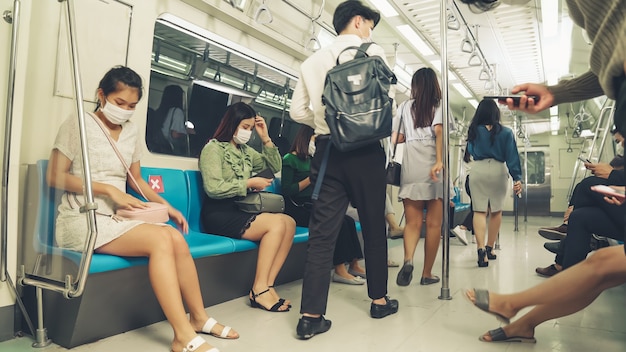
(536,177)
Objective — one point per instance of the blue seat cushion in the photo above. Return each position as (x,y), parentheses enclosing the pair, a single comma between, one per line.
(458,207)
(302,234)
(244,245)
(204,245)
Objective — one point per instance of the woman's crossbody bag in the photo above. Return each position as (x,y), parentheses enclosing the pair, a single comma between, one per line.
(155,212)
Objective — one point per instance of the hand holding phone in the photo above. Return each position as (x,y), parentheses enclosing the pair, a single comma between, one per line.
(609,192)
(516,98)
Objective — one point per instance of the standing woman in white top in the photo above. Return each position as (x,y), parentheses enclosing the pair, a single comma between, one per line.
(171,268)
(420,185)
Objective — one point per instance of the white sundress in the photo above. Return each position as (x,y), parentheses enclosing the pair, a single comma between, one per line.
(419,155)
(71,226)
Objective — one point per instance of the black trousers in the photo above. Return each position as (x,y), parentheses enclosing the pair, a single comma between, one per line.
(591,215)
(357,177)
(347,247)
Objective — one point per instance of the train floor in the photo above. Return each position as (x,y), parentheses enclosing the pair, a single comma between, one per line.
(423,323)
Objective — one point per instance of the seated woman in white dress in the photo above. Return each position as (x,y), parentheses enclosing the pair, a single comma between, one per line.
(171,268)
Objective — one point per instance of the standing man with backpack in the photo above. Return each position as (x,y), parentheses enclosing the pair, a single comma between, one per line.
(356,176)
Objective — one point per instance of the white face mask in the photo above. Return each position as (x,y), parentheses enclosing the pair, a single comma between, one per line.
(242,136)
(312,148)
(115,114)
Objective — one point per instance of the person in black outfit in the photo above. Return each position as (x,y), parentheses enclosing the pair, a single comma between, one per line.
(356,177)
(297,189)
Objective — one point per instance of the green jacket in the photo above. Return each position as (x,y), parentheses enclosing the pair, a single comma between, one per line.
(226,168)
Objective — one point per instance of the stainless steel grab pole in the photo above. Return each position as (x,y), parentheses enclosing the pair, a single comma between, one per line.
(445,265)
(14,19)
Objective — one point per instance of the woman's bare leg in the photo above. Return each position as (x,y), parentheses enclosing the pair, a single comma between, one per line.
(495,220)
(414,212)
(434,216)
(157,243)
(480,227)
(275,234)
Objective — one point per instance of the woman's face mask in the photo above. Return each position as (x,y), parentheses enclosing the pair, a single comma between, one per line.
(115,114)
(242,136)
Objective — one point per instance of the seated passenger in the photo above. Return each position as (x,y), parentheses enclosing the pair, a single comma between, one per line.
(227,164)
(171,268)
(297,189)
(604,174)
(590,215)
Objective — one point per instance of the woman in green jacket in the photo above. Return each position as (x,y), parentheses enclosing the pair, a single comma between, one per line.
(227,165)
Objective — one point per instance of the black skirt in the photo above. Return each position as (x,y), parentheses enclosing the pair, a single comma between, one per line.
(223,217)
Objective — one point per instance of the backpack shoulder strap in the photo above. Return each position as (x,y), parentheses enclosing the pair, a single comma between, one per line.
(361,51)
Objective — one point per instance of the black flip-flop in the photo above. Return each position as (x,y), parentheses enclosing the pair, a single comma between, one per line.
(481,300)
(498,335)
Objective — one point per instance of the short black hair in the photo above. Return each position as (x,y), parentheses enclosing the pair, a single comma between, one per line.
(346,11)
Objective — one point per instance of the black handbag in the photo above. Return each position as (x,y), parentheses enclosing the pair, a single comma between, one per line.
(394,169)
(261,202)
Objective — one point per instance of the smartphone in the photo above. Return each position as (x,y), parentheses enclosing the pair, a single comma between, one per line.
(502,98)
(584,160)
(267,173)
(608,191)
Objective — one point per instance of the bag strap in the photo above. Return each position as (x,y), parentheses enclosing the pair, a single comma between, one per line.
(320,176)
(361,51)
(393,155)
(117,152)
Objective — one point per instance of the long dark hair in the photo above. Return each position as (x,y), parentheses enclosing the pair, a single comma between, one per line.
(172,98)
(426,95)
(231,120)
(487,113)
(300,144)
(119,74)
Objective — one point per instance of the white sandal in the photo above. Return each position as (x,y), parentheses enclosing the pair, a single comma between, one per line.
(195,343)
(208,326)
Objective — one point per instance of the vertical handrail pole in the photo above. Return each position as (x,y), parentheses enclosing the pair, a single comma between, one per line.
(445,260)
(90,206)
(8,126)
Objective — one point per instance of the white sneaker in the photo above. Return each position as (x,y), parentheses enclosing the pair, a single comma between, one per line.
(460,234)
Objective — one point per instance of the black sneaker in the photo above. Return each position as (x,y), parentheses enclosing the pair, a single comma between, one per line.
(553,233)
(308,328)
(378,311)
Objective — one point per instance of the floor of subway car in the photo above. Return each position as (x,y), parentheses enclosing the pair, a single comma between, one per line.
(423,323)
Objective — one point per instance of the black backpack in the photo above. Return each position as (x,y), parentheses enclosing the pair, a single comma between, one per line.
(356,96)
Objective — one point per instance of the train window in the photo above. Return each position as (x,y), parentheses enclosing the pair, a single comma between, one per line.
(195,75)
(536,167)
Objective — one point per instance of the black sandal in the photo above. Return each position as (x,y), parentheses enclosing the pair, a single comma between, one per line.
(481,258)
(490,255)
(274,308)
(282,300)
